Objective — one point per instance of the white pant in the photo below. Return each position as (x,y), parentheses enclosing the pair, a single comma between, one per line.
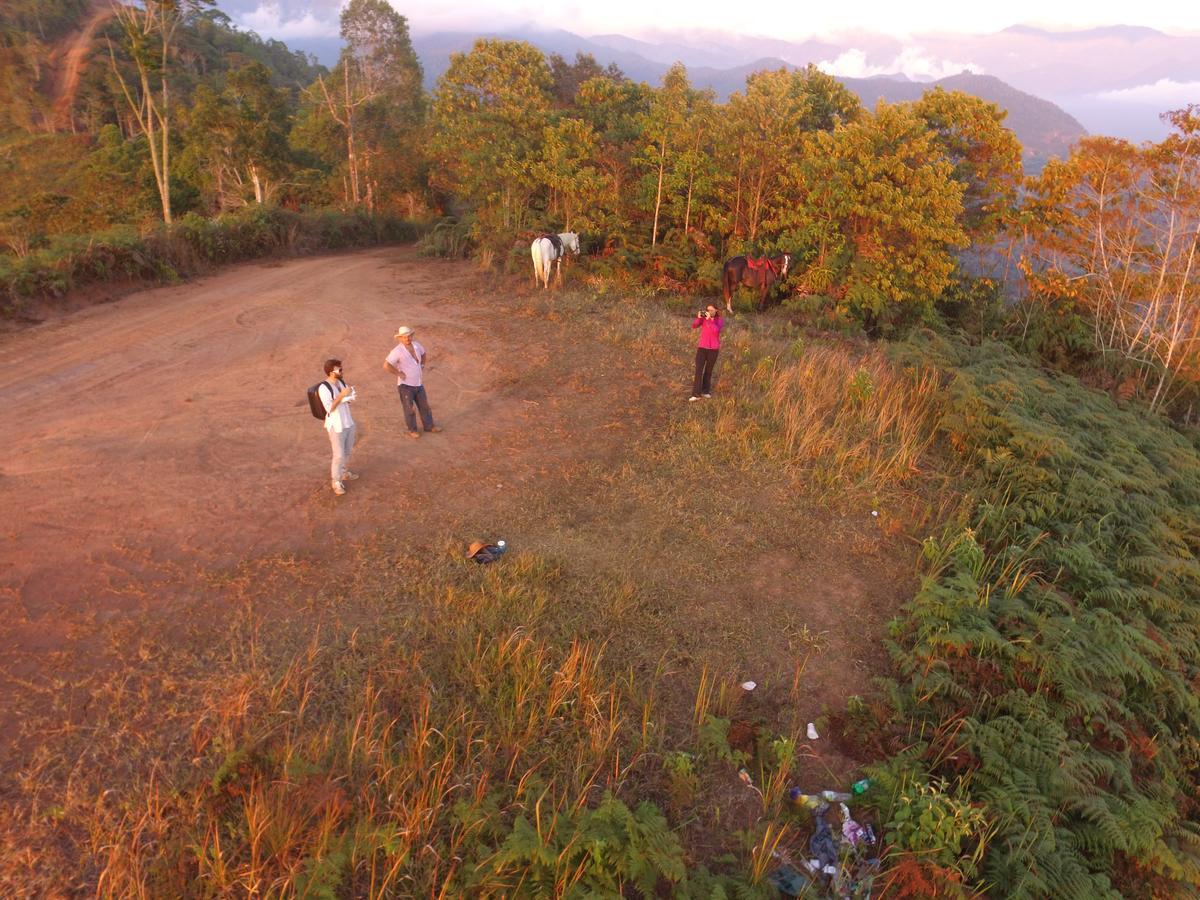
(342,443)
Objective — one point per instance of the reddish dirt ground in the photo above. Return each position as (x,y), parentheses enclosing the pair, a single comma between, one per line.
(161,440)
(170,428)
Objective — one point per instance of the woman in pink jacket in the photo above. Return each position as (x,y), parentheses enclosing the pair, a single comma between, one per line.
(710,323)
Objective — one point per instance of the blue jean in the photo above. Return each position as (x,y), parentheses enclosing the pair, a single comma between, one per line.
(415,396)
(343,445)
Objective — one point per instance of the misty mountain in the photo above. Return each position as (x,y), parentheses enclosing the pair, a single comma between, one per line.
(1044,129)
(1112,80)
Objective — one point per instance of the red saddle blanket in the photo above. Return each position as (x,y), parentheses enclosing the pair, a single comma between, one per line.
(762,264)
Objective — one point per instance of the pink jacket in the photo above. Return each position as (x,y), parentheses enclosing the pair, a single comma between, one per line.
(710,332)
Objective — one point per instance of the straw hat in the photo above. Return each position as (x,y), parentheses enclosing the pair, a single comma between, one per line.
(403,331)
(476,547)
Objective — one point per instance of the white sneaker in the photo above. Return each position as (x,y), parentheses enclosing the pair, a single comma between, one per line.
(339,488)
(708,396)
(692,399)
(349,476)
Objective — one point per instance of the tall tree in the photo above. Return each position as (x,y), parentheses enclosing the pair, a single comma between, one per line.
(568,170)
(615,111)
(490,112)
(568,77)
(1116,234)
(767,124)
(375,91)
(663,132)
(986,156)
(875,211)
(240,136)
(149,36)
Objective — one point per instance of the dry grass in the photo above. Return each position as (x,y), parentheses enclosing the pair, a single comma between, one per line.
(386,736)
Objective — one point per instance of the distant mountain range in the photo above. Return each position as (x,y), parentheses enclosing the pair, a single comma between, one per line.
(1114,80)
(1044,129)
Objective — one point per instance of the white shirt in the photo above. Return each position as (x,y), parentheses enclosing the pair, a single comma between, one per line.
(340,419)
(407,363)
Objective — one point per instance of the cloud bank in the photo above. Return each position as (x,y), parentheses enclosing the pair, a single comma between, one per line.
(270,20)
(913,62)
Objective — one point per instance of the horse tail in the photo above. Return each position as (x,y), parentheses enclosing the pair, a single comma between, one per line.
(539,260)
(730,276)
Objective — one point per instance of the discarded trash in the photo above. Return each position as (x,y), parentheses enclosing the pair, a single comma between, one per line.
(748,685)
(875,513)
(852,832)
(860,787)
(745,776)
(797,796)
(483,552)
(836,796)
(789,881)
(812,732)
(823,845)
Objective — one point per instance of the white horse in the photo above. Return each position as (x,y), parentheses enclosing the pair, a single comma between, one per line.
(545,252)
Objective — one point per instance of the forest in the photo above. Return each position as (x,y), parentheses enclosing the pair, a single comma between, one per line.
(892,216)
(1039,734)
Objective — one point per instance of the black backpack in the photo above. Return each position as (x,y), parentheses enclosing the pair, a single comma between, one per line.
(314,400)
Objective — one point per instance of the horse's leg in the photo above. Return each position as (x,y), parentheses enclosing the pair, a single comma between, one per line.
(726,291)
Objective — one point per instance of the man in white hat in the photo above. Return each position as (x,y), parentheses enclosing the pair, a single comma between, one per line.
(407,363)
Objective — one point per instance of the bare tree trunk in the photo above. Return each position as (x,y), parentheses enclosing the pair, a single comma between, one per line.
(152,118)
(352,159)
(258,191)
(662,164)
(687,210)
(737,199)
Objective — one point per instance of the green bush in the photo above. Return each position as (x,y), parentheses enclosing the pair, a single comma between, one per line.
(193,244)
(1051,658)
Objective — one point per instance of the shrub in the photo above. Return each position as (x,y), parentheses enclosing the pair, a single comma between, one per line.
(191,245)
(1050,660)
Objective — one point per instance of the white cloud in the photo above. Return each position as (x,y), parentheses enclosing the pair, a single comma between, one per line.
(268,21)
(850,64)
(1164,93)
(912,61)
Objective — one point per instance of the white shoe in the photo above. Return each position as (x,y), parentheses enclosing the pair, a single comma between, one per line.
(708,396)
(692,399)
(349,476)
(339,488)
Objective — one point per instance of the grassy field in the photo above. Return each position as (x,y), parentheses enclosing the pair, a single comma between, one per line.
(385,718)
(566,720)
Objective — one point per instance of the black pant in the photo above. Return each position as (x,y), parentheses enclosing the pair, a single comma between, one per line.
(706,360)
(415,396)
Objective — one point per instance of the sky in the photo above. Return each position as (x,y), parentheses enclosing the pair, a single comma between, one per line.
(784,19)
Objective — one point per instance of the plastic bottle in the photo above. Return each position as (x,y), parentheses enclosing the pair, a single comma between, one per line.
(797,796)
(860,787)
(836,796)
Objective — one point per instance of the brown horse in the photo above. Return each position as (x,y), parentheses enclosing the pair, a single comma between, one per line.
(754,273)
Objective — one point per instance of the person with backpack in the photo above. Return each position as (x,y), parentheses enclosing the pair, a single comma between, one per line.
(335,397)
(407,363)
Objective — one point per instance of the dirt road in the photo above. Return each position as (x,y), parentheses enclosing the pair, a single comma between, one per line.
(170,429)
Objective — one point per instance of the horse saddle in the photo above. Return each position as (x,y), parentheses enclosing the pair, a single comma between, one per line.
(762,264)
(556,241)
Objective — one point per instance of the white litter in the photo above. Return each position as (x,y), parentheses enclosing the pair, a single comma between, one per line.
(812,732)
(748,685)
